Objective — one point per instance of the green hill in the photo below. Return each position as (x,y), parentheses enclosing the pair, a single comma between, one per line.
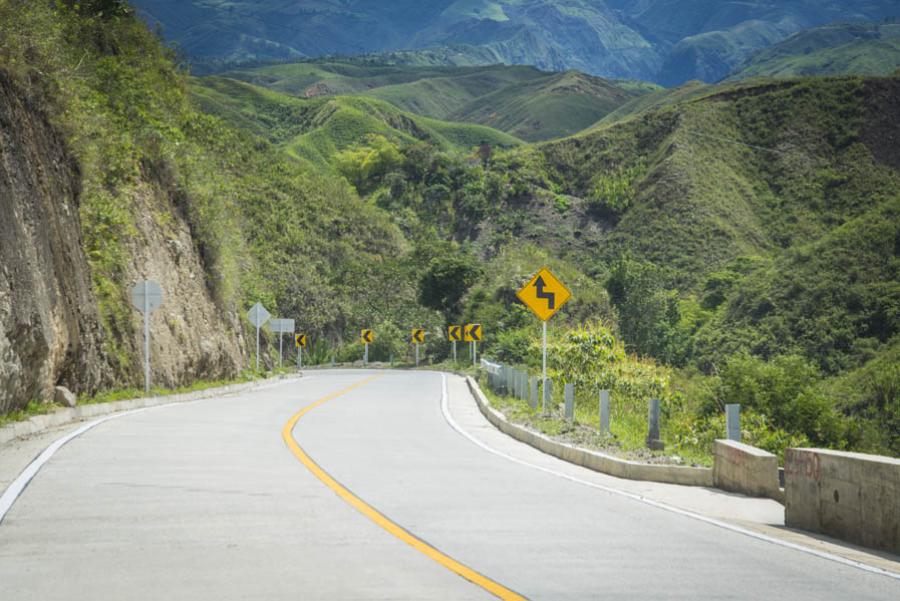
(741,239)
(315,129)
(522,101)
(756,219)
(839,49)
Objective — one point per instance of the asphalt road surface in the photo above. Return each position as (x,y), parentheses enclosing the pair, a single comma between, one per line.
(370,493)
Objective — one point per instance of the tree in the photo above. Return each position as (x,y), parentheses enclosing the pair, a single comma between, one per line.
(446,281)
(648,312)
(485,152)
(106,9)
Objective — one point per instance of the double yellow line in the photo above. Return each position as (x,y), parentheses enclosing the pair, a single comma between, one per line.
(373,514)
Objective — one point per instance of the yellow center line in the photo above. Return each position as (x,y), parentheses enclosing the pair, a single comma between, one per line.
(373,514)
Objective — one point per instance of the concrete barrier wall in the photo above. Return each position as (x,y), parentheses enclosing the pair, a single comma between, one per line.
(599,462)
(851,496)
(745,469)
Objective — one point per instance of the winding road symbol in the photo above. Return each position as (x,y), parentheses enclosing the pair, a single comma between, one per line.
(544,294)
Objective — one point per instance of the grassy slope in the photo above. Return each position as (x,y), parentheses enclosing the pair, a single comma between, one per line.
(840,49)
(299,241)
(522,101)
(315,129)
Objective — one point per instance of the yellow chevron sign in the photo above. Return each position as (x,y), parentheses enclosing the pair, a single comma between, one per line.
(418,335)
(300,340)
(367,336)
(454,333)
(472,332)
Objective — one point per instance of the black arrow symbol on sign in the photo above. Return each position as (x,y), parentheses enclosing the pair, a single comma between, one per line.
(368,336)
(549,296)
(454,332)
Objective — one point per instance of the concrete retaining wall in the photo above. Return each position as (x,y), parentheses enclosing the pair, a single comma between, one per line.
(851,496)
(61,417)
(745,469)
(672,474)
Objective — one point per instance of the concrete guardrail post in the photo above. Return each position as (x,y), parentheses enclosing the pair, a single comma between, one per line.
(569,393)
(733,422)
(653,440)
(533,393)
(604,412)
(548,397)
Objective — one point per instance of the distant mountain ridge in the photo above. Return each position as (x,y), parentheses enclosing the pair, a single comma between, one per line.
(665,41)
(837,49)
(527,103)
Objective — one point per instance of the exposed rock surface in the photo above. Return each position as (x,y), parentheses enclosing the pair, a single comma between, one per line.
(50,330)
(65,397)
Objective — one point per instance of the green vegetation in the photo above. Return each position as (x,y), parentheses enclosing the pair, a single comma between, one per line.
(732,243)
(836,49)
(715,224)
(521,101)
(316,130)
(31,409)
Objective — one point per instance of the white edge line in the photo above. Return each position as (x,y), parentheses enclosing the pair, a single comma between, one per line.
(18,486)
(21,482)
(445,409)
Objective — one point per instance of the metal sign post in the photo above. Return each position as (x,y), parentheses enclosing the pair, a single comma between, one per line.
(418,337)
(544,368)
(454,333)
(299,342)
(258,316)
(544,295)
(367,337)
(146,296)
(472,333)
(281,327)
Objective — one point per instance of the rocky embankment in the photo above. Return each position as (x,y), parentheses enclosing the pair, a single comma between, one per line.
(51,326)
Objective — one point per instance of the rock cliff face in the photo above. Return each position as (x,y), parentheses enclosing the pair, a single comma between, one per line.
(50,327)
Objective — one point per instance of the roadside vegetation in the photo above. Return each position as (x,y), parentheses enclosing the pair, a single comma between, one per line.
(730,243)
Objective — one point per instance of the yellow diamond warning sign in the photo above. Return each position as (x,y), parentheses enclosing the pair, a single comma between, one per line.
(544,294)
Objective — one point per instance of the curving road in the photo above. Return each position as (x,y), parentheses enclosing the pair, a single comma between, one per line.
(369,494)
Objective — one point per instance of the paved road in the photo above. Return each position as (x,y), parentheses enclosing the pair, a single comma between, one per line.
(206,501)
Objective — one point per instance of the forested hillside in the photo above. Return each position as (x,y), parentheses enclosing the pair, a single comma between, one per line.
(730,243)
(749,227)
(160,190)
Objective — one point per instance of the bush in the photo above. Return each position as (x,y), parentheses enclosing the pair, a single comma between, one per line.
(785,391)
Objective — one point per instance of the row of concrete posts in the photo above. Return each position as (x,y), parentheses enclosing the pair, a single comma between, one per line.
(508,380)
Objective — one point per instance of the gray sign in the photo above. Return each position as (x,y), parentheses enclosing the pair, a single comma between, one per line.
(258,315)
(146,296)
(282,326)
